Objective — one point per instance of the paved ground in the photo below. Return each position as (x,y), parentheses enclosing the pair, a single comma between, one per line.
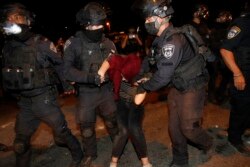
(46,154)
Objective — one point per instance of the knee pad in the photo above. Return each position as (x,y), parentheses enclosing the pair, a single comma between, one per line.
(20,147)
(87,132)
(111,121)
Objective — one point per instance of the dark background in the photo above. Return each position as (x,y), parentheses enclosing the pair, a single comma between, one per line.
(56,18)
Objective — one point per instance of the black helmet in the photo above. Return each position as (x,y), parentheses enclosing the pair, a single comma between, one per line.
(147,8)
(15,8)
(201,11)
(92,14)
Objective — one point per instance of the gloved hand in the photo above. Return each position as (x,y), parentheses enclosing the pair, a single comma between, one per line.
(68,88)
(94,79)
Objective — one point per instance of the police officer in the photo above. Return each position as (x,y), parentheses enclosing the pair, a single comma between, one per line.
(235,52)
(199,21)
(83,55)
(29,63)
(218,34)
(177,64)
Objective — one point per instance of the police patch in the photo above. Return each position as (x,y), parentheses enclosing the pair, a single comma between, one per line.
(67,43)
(168,50)
(233,32)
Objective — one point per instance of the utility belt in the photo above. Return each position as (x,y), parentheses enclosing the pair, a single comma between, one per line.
(93,88)
(28,78)
(195,83)
(36,92)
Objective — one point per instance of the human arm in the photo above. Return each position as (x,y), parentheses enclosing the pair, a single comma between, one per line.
(238,77)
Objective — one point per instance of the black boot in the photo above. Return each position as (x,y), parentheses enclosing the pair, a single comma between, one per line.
(3,147)
(66,138)
(23,160)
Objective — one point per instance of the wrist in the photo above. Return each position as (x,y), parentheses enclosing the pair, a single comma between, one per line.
(237,75)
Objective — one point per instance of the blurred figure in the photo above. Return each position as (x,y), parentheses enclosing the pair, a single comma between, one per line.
(199,21)
(60,45)
(30,72)
(200,16)
(83,55)
(218,34)
(179,65)
(131,42)
(235,52)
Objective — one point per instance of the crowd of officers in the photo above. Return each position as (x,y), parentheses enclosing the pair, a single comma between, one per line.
(33,67)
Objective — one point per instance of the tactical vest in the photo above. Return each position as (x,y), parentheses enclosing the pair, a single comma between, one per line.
(21,69)
(92,56)
(191,73)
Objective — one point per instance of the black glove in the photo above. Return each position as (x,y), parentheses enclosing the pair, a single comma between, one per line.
(68,88)
(94,79)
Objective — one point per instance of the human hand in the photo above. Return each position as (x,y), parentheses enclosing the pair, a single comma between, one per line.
(102,76)
(142,80)
(139,98)
(69,90)
(239,82)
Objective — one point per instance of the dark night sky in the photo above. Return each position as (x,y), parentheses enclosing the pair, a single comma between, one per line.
(52,16)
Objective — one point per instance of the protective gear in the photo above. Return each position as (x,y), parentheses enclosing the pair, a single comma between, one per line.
(94,79)
(21,146)
(87,132)
(148,8)
(151,28)
(21,71)
(66,137)
(94,35)
(92,14)
(16,9)
(201,11)
(11,28)
(111,124)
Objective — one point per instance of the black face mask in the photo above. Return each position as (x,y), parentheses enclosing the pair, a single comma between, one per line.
(150,27)
(25,34)
(94,35)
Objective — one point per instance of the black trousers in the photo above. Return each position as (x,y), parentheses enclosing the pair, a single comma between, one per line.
(239,119)
(89,105)
(130,119)
(37,109)
(185,114)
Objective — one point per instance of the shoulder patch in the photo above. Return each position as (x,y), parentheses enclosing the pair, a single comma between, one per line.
(67,43)
(233,32)
(52,47)
(168,50)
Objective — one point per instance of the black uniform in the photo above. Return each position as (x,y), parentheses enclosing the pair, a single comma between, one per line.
(238,42)
(37,93)
(82,59)
(218,34)
(187,94)
(204,31)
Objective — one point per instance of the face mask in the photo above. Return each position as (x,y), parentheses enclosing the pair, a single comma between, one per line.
(94,35)
(11,28)
(151,29)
